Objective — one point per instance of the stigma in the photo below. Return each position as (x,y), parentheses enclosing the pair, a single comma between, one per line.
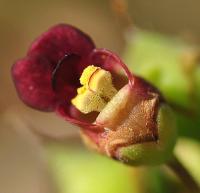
(96,91)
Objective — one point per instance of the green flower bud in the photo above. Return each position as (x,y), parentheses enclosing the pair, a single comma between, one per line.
(152,153)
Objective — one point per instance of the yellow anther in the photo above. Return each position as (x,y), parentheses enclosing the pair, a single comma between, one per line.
(81,90)
(87,73)
(88,101)
(101,82)
(96,91)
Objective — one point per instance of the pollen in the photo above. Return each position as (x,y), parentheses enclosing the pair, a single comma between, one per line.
(96,91)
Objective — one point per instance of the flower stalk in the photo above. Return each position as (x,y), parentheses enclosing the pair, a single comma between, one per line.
(182,173)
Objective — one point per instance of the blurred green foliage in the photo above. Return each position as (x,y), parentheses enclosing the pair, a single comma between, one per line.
(188,152)
(76,170)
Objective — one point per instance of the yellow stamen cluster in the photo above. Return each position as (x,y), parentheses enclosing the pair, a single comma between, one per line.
(96,91)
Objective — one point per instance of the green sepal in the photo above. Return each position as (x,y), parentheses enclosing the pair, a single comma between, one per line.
(153,153)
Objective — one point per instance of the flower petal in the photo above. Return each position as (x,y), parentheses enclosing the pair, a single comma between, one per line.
(32,78)
(71,114)
(65,77)
(60,40)
(110,61)
(98,57)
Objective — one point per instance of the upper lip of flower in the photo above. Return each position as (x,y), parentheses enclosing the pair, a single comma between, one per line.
(47,78)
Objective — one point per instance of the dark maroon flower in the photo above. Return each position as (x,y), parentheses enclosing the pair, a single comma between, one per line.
(47,79)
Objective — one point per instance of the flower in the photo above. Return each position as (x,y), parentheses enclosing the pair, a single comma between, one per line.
(120,115)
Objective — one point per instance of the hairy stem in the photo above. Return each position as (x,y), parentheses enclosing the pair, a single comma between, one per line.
(120,9)
(176,166)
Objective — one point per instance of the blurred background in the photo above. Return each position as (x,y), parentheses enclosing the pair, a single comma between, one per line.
(40,152)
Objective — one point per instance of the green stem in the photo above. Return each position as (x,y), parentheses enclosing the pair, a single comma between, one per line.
(176,166)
